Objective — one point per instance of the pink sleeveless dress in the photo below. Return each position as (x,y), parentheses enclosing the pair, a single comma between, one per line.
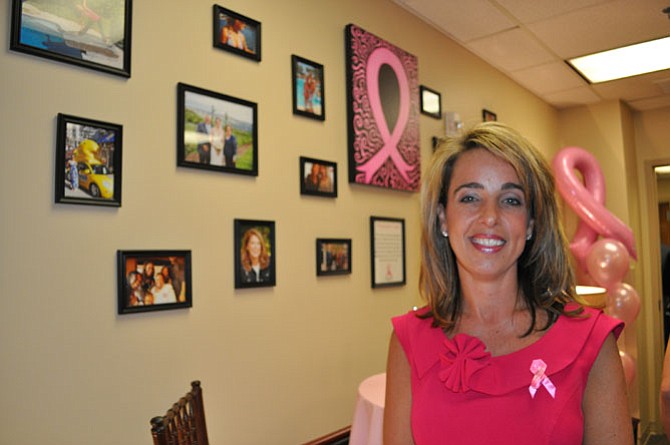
(462,395)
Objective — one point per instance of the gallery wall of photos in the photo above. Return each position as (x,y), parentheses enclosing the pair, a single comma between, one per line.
(165,189)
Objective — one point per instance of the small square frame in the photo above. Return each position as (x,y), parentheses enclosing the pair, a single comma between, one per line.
(326,179)
(333,256)
(68,34)
(387,251)
(244,41)
(245,232)
(195,146)
(137,291)
(95,149)
(488,116)
(431,102)
(309,90)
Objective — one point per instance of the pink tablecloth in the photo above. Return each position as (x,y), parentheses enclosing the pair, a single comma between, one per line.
(368,422)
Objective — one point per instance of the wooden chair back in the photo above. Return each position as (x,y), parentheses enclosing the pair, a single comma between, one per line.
(184,423)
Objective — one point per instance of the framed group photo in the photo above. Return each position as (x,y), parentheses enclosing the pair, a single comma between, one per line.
(333,256)
(152,280)
(93,34)
(255,253)
(236,33)
(318,177)
(309,97)
(88,161)
(387,239)
(216,132)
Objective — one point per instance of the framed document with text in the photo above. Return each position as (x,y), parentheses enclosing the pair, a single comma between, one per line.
(387,249)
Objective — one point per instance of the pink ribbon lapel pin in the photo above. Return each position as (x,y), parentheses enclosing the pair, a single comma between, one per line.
(538,368)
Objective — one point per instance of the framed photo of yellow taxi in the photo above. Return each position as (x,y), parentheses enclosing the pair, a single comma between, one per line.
(88,161)
(153,280)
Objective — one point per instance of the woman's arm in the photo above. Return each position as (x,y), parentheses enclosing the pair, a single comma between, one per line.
(606,417)
(398,405)
(665,393)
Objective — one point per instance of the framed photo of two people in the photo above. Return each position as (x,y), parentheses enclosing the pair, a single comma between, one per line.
(216,132)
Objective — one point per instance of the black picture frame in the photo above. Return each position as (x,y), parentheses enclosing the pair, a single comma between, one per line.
(236,33)
(318,177)
(98,38)
(431,102)
(387,251)
(309,88)
(139,291)
(89,153)
(248,232)
(333,256)
(489,116)
(197,144)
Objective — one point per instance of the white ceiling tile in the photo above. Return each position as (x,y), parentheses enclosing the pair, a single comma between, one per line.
(601,27)
(572,97)
(510,50)
(532,11)
(548,78)
(462,20)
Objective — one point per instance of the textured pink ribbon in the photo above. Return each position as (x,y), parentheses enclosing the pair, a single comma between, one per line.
(538,367)
(378,57)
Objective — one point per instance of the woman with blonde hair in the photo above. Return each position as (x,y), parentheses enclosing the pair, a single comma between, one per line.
(503,352)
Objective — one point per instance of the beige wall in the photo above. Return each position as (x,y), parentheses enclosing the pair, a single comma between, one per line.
(278,365)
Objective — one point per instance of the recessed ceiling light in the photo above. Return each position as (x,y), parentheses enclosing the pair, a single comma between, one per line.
(626,61)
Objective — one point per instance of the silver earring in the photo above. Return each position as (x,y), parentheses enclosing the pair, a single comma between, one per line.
(529,236)
(445,234)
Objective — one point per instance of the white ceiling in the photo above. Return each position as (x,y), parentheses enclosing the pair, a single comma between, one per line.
(529,40)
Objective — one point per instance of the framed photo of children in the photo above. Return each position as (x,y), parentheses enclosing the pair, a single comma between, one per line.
(309,97)
(88,161)
(387,239)
(216,132)
(318,177)
(153,280)
(255,253)
(93,34)
(236,33)
(333,256)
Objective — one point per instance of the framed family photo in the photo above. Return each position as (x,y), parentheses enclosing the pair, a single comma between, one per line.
(431,102)
(216,132)
(153,280)
(309,97)
(387,239)
(236,33)
(333,256)
(255,253)
(93,34)
(318,178)
(88,161)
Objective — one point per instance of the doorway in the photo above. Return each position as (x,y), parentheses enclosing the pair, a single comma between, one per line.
(663,193)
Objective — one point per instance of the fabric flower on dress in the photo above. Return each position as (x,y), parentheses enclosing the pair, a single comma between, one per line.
(464,356)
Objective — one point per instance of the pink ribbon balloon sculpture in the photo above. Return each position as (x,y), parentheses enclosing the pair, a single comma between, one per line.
(603,262)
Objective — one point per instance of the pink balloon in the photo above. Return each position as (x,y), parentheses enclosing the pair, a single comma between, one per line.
(623,302)
(607,262)
(628,367)
(588,202)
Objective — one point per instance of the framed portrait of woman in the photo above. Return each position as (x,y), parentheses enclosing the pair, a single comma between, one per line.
(255,253)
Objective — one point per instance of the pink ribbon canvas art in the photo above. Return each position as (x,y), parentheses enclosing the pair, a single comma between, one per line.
(382,154)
